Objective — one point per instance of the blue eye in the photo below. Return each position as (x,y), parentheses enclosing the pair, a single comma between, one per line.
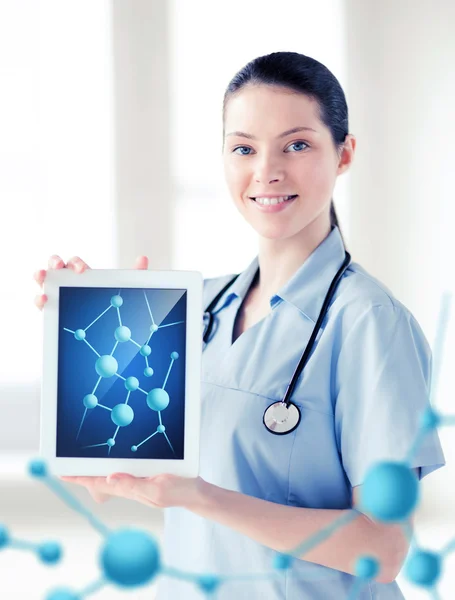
(299,148)
(242,148)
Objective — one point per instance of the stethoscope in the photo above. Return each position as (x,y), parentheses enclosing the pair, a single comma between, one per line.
(283,416)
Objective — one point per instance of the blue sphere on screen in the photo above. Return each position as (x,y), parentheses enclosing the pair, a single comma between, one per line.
(145,350)
(282,562)
(133,448)
(79,334)
(208,583)
(131,384)
(389,492)
(122,415)
(161,428)
(423,568)
(366,567)
(50,552)
(148,371)
(106,366)
(154,327)
(37,468)
(130,557)
(122,334)
(116,301)
(110,442)
(4,538)
(174,355)
(62,594)
(158,399)
(430,419)
(90,401)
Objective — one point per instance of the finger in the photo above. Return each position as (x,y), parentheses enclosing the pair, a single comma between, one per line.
(40,276)
(55,262)
(77,264)
(99,497)
(40,301)
(142,262)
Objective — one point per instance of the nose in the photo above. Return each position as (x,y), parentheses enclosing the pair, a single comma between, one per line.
(268,170)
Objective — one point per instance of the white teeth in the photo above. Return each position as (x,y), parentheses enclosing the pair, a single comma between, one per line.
(269,201)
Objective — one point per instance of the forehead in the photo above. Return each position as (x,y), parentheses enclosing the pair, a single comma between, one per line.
(270,109)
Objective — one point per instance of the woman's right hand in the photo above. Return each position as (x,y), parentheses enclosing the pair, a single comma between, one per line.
(78,266)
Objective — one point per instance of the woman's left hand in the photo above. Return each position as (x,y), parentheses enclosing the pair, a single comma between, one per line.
(160,491)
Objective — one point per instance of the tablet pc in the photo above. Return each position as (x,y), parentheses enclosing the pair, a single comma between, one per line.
(121,372)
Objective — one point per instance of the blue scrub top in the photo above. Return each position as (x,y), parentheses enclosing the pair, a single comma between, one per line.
(360,395)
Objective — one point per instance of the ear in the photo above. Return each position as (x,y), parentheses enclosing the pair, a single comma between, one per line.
(347,154)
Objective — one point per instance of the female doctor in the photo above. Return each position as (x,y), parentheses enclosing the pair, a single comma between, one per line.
(267,485)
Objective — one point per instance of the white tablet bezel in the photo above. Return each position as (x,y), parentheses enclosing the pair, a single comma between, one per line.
(192,282)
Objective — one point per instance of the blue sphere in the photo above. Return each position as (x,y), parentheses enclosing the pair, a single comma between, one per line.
(430,419)
(158,399)
(37,468)
(154,327)
(161,428)
(90,401)
(122,334)
(208,583)
(79,334)
(423,568)
(50,552)
(366,567)
(133,448)
(282,562)
(122,415)
(110,442)
(106,366)
(63,594)
(131,384)
(145,350)
(130,557)
(174,355)
(389,492)
(116,301)
(148,371)
(4,538)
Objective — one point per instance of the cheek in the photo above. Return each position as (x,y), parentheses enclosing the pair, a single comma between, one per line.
(236,179)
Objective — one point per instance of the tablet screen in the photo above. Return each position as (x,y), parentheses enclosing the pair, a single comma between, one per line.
(121,373)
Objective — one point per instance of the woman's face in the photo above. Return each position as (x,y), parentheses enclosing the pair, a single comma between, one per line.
(275,146)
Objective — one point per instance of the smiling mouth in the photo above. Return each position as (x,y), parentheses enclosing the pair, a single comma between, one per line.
(273,201)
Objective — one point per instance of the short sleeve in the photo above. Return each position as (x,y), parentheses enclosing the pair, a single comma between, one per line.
(381,389)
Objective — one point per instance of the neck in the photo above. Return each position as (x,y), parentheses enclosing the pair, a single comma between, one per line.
(280,259)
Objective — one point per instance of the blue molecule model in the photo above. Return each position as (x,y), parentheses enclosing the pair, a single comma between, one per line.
(366,567)
(106,366)
(131,384)
(133,448)
(116,301)
(423,568)
(282,562)
(110,442)
(208,583)
(148,371)
(50,552)
(174,355)
(154,327)
(122,334)
(390,492)
(4,538)
(63,594)
(158,399)
(145,350)
(161,428)
(90,401)
(430,419)
(37,468)
(130,557)
(122,415)
(79,334)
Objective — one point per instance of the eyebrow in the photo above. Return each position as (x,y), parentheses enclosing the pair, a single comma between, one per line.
(282,135)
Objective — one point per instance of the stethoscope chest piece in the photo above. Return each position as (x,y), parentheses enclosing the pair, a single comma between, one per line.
(280,419)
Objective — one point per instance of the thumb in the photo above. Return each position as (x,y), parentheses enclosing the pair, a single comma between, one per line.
(142,262)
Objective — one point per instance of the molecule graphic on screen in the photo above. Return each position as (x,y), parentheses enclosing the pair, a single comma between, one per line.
(130,557)
(106,366)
